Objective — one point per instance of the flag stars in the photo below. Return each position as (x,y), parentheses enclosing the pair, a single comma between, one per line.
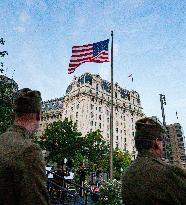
(100,46)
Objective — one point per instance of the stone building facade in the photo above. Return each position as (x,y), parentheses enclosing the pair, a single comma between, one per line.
(177,142)
(87,103)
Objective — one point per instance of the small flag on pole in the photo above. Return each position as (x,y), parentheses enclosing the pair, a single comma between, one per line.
(130,76)
(95,52)
(177,115)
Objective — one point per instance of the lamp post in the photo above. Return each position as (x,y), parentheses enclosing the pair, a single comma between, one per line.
(163,102)
(82,178)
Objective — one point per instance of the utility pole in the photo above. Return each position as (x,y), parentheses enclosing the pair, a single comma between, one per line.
(163,102)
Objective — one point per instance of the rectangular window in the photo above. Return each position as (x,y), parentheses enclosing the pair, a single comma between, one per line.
(76,114)
(77,106)
(100,125)
(99,109)
(91,106)
(91,123)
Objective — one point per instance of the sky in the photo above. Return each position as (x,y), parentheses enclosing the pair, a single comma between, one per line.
(149,42)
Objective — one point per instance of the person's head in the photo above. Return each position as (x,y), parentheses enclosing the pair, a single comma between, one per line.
(148,136)
(27,109)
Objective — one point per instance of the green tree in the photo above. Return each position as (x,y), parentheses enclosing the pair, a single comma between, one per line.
(5,115)
(121,160)
(96,150)
(7,87)
(62,140)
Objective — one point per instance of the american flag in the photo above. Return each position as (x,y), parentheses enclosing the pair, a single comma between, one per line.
(96,52)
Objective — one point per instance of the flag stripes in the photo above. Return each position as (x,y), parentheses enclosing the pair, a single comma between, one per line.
(96,52)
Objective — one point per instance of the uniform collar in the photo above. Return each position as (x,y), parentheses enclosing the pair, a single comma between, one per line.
(20,129)
(151,156)
(148,154)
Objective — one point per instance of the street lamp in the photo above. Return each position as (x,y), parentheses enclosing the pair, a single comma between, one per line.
(166,143)
(163,102)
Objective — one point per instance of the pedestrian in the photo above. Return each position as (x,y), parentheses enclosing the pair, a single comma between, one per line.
(22,170)
(149,180)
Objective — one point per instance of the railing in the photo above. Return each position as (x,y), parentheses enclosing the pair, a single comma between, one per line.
(59,194)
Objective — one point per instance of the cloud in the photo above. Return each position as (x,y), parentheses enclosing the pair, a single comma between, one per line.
(133,4)
(24,17)
(20,29)
(29,2)
(39,4)
(104,71)
(116,49)
(23,20)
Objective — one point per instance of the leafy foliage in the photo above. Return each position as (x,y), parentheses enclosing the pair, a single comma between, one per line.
(62,140)
(96,150)
(110,193)
(6,96)
(5,115)
(121,160)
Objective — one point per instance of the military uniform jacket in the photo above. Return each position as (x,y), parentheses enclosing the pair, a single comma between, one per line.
(150,181)
(22,171)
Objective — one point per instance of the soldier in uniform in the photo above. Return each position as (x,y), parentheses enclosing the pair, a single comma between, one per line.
(149,180)
(22,170)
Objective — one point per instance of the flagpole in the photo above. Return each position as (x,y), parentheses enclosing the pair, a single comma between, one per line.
(111,114)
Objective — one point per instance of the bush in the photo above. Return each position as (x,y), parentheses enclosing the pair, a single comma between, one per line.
(110,193)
